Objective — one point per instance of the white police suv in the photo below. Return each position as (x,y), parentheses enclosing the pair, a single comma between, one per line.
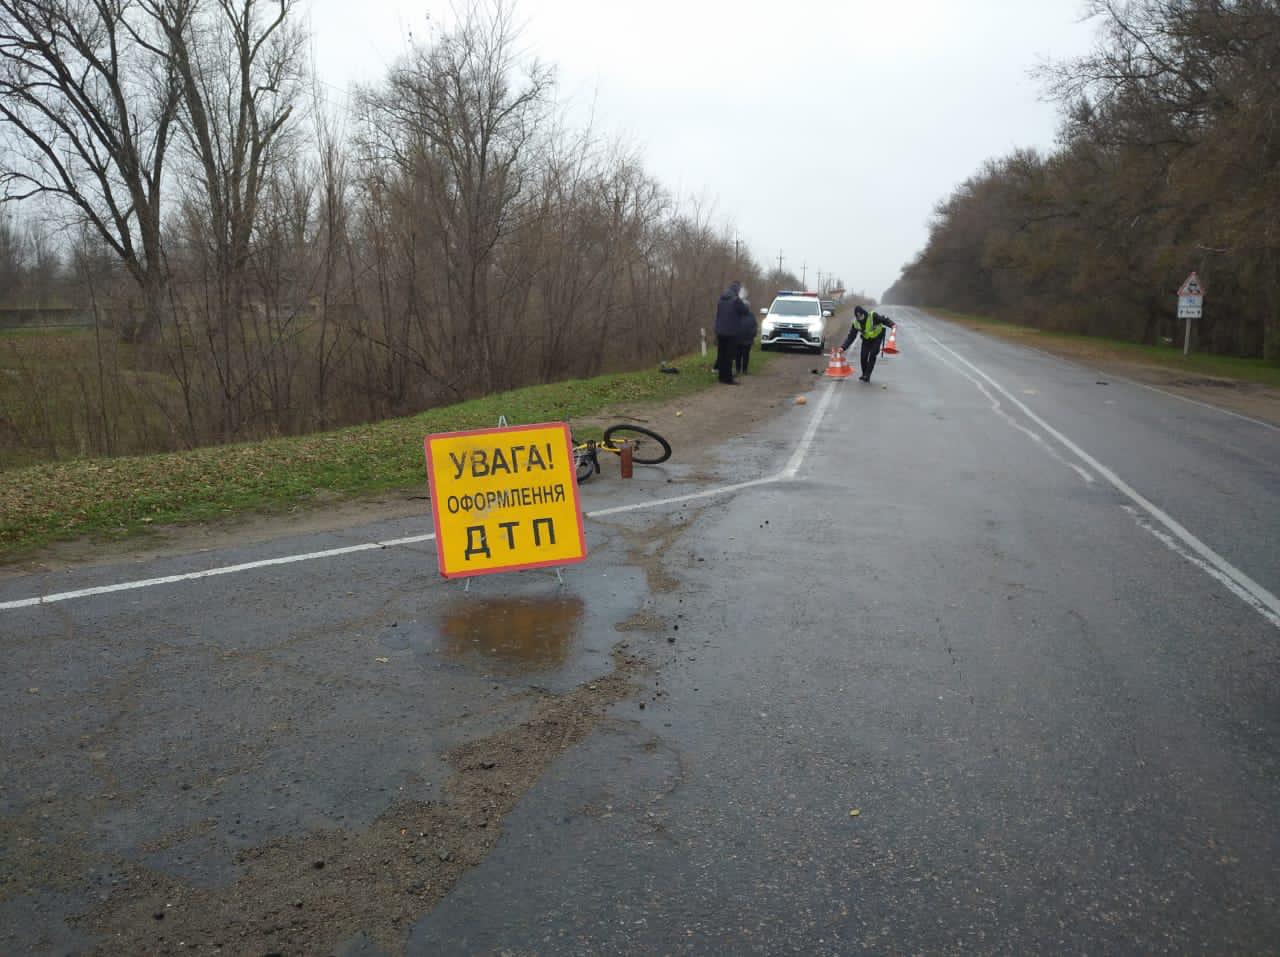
(794,320)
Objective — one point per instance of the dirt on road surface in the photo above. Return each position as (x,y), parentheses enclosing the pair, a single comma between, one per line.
(304,893)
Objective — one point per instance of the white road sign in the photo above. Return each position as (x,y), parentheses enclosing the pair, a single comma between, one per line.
(1190,307)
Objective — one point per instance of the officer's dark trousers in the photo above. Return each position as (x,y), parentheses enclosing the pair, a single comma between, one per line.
(870,352)
(742,358)
(726,351)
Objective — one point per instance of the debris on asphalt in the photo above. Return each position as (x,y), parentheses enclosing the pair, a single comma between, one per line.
(856,812)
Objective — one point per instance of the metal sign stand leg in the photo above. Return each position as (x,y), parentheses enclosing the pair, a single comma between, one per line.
(467,587)
(559,578)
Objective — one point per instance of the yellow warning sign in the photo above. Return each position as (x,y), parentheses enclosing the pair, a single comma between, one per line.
(504,499)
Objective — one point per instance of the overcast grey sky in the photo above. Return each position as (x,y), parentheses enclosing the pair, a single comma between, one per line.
(827,130)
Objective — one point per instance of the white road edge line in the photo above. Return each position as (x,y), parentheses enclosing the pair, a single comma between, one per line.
(788,472)
(1203,405)
(706,493)
(1150,388)
(998,409)
(797,457)
(1209,570)
(211,572)
(1260,599)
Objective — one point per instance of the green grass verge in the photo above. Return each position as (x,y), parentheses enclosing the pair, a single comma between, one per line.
(1166,356)
(110,498)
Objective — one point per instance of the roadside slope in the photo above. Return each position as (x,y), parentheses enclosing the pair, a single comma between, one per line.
(92,511)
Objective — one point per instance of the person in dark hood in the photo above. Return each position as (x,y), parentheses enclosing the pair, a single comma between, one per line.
(871,326)
(730,313)
(746,336)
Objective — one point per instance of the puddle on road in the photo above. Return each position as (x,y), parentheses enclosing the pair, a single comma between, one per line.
(516,634)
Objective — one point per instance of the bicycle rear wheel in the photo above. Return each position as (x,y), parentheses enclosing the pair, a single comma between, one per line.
(650,447)
(584,464)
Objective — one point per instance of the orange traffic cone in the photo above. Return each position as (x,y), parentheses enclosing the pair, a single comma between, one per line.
(891,347)
(838,366)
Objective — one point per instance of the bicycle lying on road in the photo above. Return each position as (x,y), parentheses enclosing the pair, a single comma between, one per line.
(647,448)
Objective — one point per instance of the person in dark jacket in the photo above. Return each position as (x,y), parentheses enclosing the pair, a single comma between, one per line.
(746,338)
(729,314)
(871,326)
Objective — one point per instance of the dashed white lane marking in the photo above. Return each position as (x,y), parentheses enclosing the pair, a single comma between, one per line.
(1259,598)
(788,472)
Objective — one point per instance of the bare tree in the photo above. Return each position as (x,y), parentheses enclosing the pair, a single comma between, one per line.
(460,242)
(240,67)
(13,260)
(460,120)
(88,108)
(1170,161)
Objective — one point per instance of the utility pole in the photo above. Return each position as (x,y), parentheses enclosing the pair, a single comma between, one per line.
(736,241)
(804,271)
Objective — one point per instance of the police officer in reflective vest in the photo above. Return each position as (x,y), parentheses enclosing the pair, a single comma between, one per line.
(871,326)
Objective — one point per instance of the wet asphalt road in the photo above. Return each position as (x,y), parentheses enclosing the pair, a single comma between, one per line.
(1058,722)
